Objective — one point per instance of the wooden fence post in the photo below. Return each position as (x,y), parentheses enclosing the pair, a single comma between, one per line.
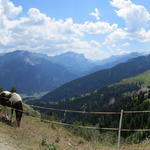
(119,131)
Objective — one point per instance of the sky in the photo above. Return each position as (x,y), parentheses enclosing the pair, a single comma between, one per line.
(96,28)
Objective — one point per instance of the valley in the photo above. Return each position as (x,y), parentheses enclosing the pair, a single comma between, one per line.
(131,92)
(99,79)
(74,75)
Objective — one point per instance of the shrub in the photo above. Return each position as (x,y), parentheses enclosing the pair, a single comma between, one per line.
(52,146)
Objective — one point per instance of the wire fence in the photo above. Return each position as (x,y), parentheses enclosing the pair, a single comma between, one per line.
(76,111)
(98,113)
(119,129)
(85,112)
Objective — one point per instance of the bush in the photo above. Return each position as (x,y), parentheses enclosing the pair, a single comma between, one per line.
(87,134)
(137,137)
(52,146)
(43,142)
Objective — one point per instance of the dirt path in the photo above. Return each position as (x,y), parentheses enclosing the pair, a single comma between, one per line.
(5,146)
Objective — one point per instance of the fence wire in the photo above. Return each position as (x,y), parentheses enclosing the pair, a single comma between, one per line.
(85,112)
(102,113)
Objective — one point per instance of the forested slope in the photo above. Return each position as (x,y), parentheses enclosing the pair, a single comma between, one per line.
(99,79)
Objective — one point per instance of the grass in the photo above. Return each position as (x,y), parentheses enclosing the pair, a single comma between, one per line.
(144,78)
(36,135)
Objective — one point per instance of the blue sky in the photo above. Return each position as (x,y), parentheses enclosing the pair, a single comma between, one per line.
(95,28)
(61,9)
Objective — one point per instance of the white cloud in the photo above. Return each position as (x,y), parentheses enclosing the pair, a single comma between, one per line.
(96,14)
(121,3)
(39,32)
(8,8)
(136,19)
(125,44)
(121,34)
(142,35)
(118,34)
(136,16)
(97,27)
(95,44)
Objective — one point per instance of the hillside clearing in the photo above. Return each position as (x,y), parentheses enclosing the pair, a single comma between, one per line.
(144,78)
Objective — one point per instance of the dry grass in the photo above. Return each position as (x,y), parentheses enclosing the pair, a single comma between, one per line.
(36,135)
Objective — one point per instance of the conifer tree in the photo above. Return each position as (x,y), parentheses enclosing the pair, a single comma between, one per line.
(1,89)
(13,90)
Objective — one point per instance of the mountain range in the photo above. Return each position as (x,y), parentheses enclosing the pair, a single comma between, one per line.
(99,79)
(30,73)
(75,63)
(113,60)
(34,72)
(79,65)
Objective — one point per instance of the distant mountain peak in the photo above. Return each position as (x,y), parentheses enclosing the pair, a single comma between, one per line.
(31,72)
(71,55)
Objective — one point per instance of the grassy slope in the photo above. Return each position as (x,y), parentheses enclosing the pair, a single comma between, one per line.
(32,132)
(36,135)
(144,78)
